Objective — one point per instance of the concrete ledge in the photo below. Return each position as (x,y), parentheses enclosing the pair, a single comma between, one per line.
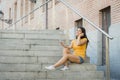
(20,53)
(15,67)
(75,67)
(44,36)
(42,42)
(51,75)
(22,75)
(14,47)
(44,48)
(20,67)
(75,75)
(5,59)
(33,31)
(6,35)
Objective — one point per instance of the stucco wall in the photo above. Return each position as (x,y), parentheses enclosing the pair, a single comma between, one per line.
(115,51)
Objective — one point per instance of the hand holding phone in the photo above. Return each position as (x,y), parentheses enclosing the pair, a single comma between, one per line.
(81,34)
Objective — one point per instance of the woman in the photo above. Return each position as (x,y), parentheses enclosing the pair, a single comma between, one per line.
(79,46)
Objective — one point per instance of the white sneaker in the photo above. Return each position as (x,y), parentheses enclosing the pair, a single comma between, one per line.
(50,67)
(64,68)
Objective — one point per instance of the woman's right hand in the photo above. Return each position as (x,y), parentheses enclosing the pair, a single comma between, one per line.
(62,44)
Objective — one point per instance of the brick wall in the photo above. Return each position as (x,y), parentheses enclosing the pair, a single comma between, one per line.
(90,9)
(62,17)
(115,11)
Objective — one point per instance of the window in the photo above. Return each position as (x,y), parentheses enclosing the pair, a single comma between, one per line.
(43,7)
(15,11)
(21,12)
(49,5)
(10,16)
(10,13)
(33,1)
(32,7)
(106,22)
(57,1)
(26,10)
(79,23)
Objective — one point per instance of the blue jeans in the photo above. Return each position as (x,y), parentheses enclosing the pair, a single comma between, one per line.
(81,60)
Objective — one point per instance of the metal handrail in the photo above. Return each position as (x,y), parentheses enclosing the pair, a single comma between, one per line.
(29,13)
(78,13)
(96,27)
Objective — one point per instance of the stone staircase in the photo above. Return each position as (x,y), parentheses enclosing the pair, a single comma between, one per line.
(24,54)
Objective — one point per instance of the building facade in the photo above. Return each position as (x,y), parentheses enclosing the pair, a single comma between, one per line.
(104,13)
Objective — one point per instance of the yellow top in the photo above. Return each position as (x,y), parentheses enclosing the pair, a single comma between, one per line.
(79,50)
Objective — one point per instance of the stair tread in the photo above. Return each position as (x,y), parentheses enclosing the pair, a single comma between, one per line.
(53,75)
(41,67)
(31,31)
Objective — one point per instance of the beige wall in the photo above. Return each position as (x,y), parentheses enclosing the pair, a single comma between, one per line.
(60,16)
(89,8)
(30,24)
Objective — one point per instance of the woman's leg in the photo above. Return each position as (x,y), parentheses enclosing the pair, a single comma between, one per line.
(63,61)
(67,57)
(66,51)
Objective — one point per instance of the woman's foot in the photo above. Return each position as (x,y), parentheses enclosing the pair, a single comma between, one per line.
(50,67)
(64,68)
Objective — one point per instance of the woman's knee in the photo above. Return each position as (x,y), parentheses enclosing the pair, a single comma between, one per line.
(66,50)
(66,55)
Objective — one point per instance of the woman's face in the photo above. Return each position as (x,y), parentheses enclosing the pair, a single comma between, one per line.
(78,32)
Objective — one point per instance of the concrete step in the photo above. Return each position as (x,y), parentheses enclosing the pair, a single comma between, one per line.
(16,53)
(33,31)
(33,59)
(19,67)
(14,47)
(75,75)
(31,36)
(27,60)
(44,36)
(51,75)
(72,79)
(30,47)
(75,67)
(52,79)
(42,42)
(46,48)
(41,67)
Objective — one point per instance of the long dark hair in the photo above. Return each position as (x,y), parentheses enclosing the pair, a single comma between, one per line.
(83,31)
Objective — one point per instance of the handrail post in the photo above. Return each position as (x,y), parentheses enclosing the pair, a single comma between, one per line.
(107,60)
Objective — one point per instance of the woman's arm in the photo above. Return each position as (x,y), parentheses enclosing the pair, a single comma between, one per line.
(69,47)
